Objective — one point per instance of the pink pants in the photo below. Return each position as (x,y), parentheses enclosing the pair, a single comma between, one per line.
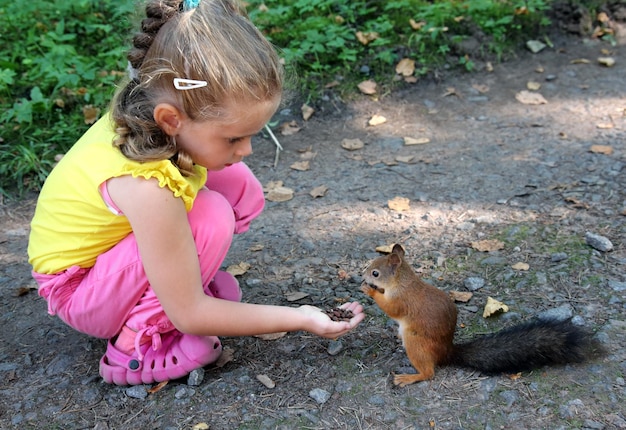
(115,292)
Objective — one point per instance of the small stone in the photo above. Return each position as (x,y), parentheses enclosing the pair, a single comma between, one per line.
(137,392)
(335,347)
(558,256)
(195,377)
(474,283)
(598,242)
(319,395)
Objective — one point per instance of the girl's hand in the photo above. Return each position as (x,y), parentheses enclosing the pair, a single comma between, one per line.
(321,324)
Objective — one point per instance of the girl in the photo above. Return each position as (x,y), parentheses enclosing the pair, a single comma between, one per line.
(134,222)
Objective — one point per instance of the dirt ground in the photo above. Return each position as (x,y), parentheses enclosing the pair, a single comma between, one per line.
(537,177)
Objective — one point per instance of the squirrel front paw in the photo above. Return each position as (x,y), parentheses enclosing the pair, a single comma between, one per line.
(371,289)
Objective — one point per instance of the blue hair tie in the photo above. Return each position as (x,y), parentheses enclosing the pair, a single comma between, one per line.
(190,4)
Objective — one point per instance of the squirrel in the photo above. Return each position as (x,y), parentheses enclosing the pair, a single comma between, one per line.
(427,320)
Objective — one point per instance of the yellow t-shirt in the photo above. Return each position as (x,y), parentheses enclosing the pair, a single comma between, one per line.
(72,224)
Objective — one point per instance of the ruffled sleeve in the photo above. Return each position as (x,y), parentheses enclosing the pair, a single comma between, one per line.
(185,187)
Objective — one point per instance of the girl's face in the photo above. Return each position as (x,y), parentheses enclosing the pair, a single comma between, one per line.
(218,143)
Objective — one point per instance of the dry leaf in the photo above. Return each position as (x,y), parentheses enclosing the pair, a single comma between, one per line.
(295,296)
(481,88)
(606,61)
(332,84)
(266,380)
(408,159)
(601,149)
(489,66)
(377,120)
(227,355)
(308,155)
(307,111)
(366,37)
(493,306)
(528,98)
(257,247)
(406,67)
(385,249)
(200,426)
(521,266)
(410,79)
(90,113)
(238,269)
(515,376)
(158,387)
(318,191)
(367,87)
(301,165)
(399,204)
(580,61)
(271,336)
(416,25)
(533,86)
(289,128)
(280,194)
(461,296)
(605,125)
(451,91)
(352,144)
(487,245)
(416,141)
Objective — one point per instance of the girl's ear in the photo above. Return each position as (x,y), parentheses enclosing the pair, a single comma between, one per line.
(168,118)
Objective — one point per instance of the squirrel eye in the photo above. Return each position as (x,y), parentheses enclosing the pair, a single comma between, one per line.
(375,273)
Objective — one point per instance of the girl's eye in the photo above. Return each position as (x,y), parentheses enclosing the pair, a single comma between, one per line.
(235,140)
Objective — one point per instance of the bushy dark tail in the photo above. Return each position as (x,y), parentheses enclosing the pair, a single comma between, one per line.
(528,346)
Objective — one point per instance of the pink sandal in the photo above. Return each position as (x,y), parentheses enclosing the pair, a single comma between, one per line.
(172,356)
(224,286)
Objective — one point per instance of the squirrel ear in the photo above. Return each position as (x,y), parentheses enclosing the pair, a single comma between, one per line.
(395,261)
(398,249)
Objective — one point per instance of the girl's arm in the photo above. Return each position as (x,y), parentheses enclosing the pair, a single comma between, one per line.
(168,251)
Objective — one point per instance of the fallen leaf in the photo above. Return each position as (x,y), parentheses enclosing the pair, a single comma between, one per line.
(367,87)
(200,426)
(90,114)
(158,387)
(481,88)
(461,296)
(332,84)
(386,249)
(266,380)
(487,245)
(366,37)
(533,86)
(416,25)
(280,194)
(606,61)
(521,266)
(271,336)
(493,306)
(601,149)
(377,120)
(451,91)
(408,159)
(227,355)
(406,67)
(416,141)
(352,144)
(605,125)
(289,128)
(580,61)
(238,269)
(294,296)
(410,79)
(308,155)
(271,185)
(307,111)
(399,204)
(318,191)
(489,66)
(257,247)
(515,376)
(301,165)
(535,46)
(528,98)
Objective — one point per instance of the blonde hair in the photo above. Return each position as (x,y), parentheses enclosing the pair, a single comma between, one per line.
(215,43)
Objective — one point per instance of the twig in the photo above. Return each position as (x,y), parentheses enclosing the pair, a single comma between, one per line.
(276,142)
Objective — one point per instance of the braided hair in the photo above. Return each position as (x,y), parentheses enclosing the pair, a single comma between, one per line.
(215,43)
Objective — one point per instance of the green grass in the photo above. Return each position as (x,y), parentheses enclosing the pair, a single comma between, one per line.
(58,57)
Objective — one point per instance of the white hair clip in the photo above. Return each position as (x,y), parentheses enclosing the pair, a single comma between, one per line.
(188,84)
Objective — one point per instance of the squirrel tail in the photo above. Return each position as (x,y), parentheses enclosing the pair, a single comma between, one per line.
(527,346)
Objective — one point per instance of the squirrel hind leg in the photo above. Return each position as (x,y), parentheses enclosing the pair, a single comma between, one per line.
(404,379)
